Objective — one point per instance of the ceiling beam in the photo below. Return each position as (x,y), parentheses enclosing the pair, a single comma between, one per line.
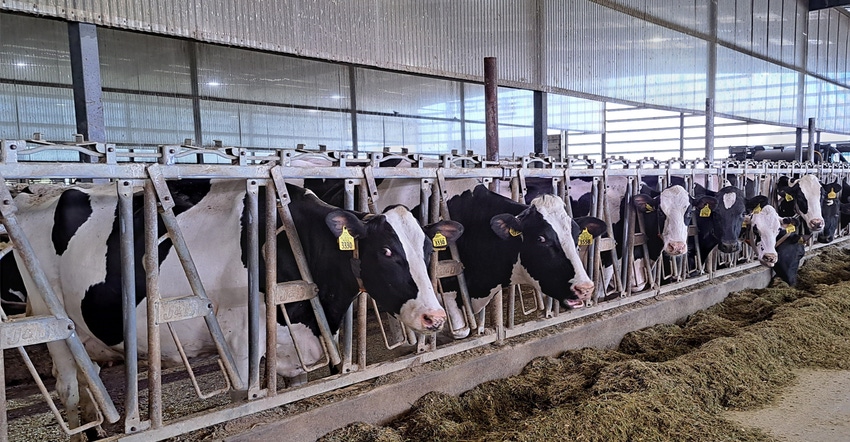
(814,5)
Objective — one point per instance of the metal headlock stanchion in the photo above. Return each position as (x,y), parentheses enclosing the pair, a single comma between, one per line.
(301,290)
(17,333)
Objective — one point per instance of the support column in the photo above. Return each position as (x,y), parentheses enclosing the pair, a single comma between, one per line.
(541,123)
(798,153)
(491,107)
(352,83)
(811,151)
(709,129)
(85,73)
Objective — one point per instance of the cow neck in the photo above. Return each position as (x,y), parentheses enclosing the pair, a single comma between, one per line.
(782,239)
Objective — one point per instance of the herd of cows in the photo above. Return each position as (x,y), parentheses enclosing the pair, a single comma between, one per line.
(75,233)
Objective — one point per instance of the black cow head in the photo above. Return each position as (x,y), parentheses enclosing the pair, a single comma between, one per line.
(720,217)
(790,250)
(548,252)
(394,253)
(831,211)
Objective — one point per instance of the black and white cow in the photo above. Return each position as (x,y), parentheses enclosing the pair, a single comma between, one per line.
(506,242)
(75,234)
(831,211)
(720,217)
(802,197)
(777,242)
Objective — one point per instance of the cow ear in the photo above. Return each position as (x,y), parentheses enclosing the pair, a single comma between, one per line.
(830,191)
(339,219)
(757,202)
(705,200)
(644,203)
(451,230)
(594,226)
(505,225)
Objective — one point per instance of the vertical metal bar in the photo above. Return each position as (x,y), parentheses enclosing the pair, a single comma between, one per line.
(4,419)
(462,116)
(491,107)
(798,153)
(252,207)
(152,278)
(128,290)
(604,145)
(271,280)
(352,87)
(85,74)
(681,135)
(709,129)
(196,99)
(541,122)
(811,151)
(346,330)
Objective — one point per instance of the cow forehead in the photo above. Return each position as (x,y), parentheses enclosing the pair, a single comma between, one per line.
(407,230)
(554,212)
(810,186)
(674,199)
(767,220)
(729,199)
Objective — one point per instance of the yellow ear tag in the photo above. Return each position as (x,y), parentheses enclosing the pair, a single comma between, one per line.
(345,240)
(788,197)
(514,232)
(757,210)
(649,209)
(831,195)
(440,242)
(585,238)
(790,229)
(705,212)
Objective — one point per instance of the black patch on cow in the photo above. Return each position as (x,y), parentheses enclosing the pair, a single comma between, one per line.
(72,210)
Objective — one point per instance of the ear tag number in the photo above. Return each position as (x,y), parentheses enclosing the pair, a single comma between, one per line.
(788,197)
(440,242)
(831,195)
(585,238)
(705,212)
(757,210)
(649,209)
(514,232)
(790,228)
(345,240)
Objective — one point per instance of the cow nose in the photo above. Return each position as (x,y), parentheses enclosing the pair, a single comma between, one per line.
(433,320)
(769,259)
(676,248)
(729,247)
(816,224)
(583,290)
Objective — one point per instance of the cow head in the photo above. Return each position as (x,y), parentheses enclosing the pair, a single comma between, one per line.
(668,214)
(805,194)
(766,224)
(722,216)
(790,252)
(831,211)
(549,247)
(394,255)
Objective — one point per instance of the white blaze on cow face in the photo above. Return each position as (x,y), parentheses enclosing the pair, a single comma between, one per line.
(768,223)
(674,203)
(554,212)
(810,187)
(423,313)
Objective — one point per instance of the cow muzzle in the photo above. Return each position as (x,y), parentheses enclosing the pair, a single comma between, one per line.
(769,259)
(583,291)
(816,224)
(676,248)
(433,320)
(729,247)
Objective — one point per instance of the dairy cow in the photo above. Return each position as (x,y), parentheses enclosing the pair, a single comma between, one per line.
(831,211)
(802,197)
(777,241)
(75,234)
(719,219)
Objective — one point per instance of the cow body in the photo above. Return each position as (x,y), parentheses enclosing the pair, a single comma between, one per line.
(74,233)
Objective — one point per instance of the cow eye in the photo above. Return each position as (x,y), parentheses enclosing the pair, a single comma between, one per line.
(541,239)
(388,252)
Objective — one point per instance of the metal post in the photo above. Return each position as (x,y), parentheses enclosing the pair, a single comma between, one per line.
(85,74)
(541,123)
(152,279)
(252,207)
(798,154)
(709,129)
(681,135)
(352,88)
(196,99)
(811,156)
(604,146)
(128,289)
(271,280)
(491,107)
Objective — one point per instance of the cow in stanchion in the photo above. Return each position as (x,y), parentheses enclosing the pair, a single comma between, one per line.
(777,240)
(75,234)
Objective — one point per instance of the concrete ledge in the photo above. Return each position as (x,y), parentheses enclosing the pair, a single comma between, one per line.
(387,401)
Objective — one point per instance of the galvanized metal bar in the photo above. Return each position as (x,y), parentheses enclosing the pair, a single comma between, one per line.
(252,207)
(271,280)
(153,297)
(132,419)
(4,418)
(811,148)
(27,256)
(709,129)
(85,74)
